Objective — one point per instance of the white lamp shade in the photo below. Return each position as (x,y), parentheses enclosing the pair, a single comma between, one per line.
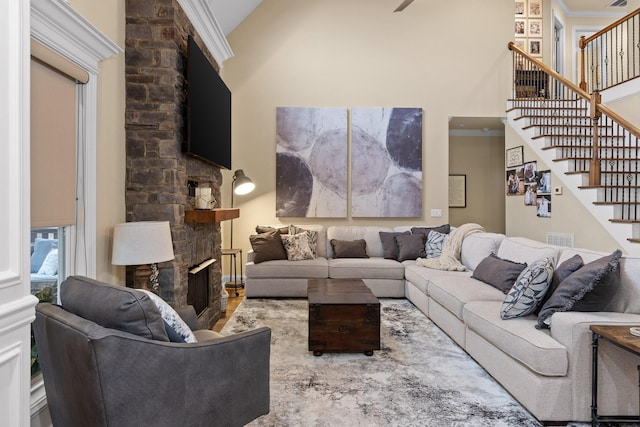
(242,183)
(145,242)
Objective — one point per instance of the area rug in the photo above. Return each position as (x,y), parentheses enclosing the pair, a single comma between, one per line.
(420,377)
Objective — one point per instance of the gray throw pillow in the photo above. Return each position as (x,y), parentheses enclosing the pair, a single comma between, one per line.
(111,306)
(563,271)
(267,246)
(530,287)
(497,272)
(410,246)
(590,288)
(389,245)
(264,228)
(349,248)
(444,229)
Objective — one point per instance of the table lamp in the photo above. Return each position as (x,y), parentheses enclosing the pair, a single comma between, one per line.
(143,243)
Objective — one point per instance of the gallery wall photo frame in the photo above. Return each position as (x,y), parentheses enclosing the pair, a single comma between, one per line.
(457,191)
(515,156)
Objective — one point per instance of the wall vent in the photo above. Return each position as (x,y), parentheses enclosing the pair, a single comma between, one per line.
(561,239)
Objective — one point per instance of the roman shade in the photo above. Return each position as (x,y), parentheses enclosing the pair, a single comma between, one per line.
(53,137)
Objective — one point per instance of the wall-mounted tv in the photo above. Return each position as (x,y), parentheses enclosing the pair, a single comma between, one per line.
(208,125)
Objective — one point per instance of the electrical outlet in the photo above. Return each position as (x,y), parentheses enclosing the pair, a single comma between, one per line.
(557,190)
(436,213)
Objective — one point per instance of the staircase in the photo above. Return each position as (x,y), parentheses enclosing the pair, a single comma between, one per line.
(595,152)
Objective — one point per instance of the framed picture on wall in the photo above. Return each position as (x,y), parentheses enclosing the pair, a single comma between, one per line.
(514,156)
(457,191)
(520,27)
(520,8)
(535,9)
(535,47)
(521,43)
(535,28)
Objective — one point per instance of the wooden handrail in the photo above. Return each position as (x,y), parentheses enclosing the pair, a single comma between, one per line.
(601,108)
(584,41)
(550,71)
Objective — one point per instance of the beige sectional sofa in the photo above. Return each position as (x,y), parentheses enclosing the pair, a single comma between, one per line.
(547,370)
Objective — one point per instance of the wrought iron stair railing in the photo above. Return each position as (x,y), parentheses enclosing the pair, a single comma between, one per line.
(590,138)
(612,55)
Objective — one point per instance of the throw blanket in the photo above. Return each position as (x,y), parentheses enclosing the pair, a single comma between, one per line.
(451,250)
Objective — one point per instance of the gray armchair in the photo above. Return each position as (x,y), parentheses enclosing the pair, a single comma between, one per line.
(107,361)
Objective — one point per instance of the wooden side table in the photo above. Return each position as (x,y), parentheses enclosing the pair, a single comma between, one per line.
(620,336)
(233,266)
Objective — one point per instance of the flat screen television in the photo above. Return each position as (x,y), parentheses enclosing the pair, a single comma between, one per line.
(208,125)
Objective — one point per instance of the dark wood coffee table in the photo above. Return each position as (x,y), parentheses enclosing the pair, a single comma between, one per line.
(344,316)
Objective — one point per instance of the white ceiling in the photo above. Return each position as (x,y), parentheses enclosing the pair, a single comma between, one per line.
(230,13)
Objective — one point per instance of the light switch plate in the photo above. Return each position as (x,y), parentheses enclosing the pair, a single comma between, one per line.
(436,213)
(557,190)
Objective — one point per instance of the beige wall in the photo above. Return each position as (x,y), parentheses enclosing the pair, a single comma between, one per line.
(482,160)
(451,60)
(567,214)
(109,18)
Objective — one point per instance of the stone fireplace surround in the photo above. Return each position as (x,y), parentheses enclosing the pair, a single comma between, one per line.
(157,171)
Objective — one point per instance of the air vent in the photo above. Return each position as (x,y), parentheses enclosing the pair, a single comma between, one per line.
(561,239)
(618,3)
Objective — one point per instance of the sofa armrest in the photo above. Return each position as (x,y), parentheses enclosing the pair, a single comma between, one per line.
(571,329)
(250,255)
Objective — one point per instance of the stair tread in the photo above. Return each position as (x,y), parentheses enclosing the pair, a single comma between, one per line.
(633,240)
(589,147)
(615,203)
(625,221)
(587,187)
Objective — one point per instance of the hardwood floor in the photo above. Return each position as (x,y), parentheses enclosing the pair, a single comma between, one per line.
(232,304)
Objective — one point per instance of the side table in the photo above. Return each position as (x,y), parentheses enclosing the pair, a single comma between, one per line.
(233,266)
(621,337)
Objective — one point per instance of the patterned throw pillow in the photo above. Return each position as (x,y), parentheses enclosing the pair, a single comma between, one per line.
(49,266)
(312,235)
(529,289)
(297,246)
(435,242)
(171,320)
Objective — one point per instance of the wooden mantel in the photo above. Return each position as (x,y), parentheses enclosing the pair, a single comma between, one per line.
(210,215)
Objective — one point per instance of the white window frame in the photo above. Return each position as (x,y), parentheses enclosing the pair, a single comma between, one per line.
(57,26)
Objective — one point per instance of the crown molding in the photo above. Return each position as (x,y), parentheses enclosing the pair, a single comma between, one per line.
(204,21)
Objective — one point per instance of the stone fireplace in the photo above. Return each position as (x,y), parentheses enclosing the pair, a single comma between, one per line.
(158,173)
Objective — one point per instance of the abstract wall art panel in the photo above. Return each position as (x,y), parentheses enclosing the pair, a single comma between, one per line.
(311,162)
(386,162)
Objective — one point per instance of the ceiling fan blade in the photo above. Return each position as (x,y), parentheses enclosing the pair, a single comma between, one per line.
(403,5)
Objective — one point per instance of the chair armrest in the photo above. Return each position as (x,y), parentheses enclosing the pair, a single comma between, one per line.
(192,382)
(188,314)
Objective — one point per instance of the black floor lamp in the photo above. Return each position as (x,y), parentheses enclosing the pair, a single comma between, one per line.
(240,185)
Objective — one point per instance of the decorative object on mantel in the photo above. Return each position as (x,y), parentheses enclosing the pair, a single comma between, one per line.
(143,243)
(204,198)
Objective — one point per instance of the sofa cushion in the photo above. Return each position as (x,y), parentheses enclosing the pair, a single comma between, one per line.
(316,268)
(265,228)
(349,248)
(267,246)
(434,244)
(115,307)
(521,249)
(297,246)
(518,338)
(312,237)
(389,244)
(444,229)
(176,328)
(410,246)
(478,246)
(365,268)
(590,288)
(497,272)
(563,270)
(370,233)
(454,289)
(529,290)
